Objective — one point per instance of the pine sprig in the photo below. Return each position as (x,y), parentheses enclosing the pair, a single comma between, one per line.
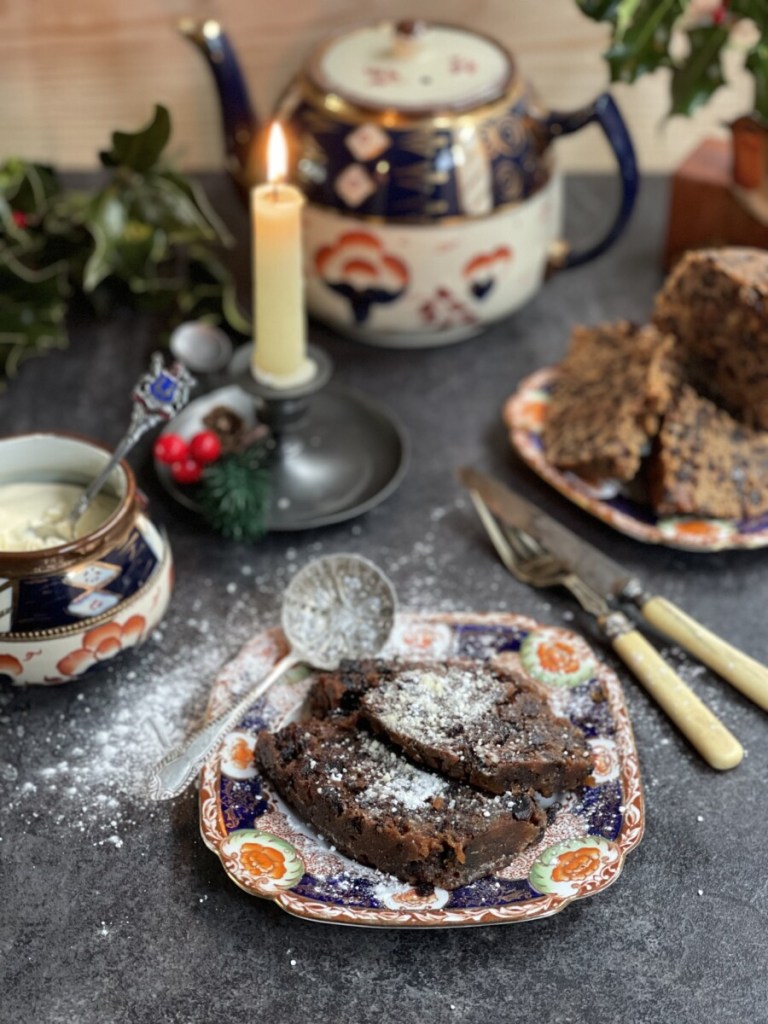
(234,493)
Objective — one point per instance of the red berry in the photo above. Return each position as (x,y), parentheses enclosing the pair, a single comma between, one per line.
(170,448)
(186,471)
(205,446)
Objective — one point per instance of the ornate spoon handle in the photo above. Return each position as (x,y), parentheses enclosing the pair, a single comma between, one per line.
(157,396)
(175,771)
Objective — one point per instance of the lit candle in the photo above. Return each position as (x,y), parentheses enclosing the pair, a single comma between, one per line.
(280,344)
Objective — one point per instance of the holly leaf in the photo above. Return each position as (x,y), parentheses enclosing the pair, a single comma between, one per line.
(106,224)
(139,151)
(641,38)
(33,307)
(701,73)
(196,195)
(600,10)
(161,200)
(757,10)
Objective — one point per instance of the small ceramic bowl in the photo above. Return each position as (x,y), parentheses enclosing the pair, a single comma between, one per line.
(64,610)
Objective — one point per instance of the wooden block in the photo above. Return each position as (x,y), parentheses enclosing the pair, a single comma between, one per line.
(703,209)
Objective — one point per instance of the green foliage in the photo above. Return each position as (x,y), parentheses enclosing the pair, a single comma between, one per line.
(147,233)
(641,42)
(234,494)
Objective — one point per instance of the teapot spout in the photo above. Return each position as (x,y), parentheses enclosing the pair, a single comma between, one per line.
(239,121)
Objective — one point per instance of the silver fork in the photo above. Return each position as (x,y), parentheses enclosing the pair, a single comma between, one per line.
(528,561)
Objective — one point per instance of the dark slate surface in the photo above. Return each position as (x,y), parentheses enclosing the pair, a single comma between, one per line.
(152,931)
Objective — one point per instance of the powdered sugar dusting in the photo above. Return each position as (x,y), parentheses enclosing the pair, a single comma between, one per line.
(96,739)
(103,734)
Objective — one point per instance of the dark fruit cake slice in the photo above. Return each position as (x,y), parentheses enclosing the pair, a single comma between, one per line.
(471,722)
(383,811)
(707,464)
(607,399)
(716,303)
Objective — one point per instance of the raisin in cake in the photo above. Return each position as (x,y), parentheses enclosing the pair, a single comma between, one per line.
(716,302)
(607,399)
(706,463)
(491,729)
(383,811)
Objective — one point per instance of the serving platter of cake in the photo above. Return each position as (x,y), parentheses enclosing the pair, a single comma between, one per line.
(661,429)
(481,769)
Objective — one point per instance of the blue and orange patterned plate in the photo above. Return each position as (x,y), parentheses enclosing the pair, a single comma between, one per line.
(267,849)
(525,413)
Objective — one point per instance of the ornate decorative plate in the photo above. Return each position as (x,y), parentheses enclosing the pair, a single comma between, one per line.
(270,852)
(524,414)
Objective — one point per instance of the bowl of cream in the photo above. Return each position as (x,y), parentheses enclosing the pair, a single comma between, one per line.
(68,605)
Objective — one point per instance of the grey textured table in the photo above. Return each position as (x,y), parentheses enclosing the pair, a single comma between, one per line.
(113,910)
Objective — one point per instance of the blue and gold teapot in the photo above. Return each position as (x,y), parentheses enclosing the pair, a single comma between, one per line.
(433,204)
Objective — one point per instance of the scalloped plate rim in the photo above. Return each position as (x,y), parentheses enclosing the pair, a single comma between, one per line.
(426,919)
(520,436)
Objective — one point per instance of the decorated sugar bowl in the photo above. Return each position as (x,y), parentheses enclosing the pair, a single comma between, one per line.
(68,605)
(433,203)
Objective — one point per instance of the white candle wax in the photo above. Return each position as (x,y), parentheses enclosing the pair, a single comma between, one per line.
(280,344)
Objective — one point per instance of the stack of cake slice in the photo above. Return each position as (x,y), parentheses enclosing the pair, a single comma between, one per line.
(434,773)
(683,401)
(613,387)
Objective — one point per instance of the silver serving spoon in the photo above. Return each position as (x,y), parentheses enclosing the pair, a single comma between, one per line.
(157,397)
(339,606)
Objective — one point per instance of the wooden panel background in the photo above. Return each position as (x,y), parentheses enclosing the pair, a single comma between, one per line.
(70,72)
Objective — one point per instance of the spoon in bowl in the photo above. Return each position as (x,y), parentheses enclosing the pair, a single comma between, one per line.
(338,606)
(158,395)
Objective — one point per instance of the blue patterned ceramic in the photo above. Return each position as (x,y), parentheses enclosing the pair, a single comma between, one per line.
(65,609)
(269,851)
(433,206)
(524,414)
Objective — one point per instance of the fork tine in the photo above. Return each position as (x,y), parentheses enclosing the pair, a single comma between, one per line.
(539,570)
(523,542)
(494,531)
(515,541)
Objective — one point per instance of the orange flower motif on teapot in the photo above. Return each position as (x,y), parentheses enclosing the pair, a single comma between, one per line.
(483,271)
(362,272)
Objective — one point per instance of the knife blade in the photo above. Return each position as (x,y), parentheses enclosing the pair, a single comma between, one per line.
(612,580)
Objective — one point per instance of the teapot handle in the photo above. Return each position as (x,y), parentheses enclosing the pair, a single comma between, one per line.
(605,113)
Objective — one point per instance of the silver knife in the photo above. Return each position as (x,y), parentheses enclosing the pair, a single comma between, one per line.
(612,580)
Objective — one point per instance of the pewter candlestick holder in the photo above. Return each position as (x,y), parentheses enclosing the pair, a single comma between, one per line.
(336,452)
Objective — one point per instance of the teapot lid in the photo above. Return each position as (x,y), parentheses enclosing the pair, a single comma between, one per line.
(413,66)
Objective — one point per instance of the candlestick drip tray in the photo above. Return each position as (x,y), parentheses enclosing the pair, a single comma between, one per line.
(337,453)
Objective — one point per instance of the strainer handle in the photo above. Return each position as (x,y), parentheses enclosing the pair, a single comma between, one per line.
(171,775)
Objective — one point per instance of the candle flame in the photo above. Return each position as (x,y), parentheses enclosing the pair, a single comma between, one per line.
(277,154)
